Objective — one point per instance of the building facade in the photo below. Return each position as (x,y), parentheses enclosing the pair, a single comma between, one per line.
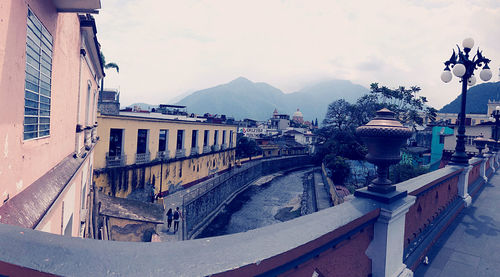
(49,78)
(156,154)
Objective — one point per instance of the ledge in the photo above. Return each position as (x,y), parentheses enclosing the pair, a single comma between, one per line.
(63,255)
(27,208)
(424,182)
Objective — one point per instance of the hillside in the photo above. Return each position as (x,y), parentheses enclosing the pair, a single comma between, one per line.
(242,98)
(477,99)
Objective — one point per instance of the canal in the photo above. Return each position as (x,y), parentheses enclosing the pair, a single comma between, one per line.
(261,205)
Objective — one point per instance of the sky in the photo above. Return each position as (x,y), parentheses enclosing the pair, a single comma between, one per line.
(166,49)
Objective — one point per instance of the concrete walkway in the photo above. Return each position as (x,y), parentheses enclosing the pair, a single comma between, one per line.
(471,244)
(322,198)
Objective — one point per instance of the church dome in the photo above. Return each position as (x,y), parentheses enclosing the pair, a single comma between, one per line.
(297,113)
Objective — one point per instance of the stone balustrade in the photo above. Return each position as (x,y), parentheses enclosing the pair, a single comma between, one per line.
(344,240)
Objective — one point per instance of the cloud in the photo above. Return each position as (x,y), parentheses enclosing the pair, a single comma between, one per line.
(165,48)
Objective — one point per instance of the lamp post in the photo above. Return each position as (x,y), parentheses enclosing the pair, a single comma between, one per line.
(495,115)
(463,68)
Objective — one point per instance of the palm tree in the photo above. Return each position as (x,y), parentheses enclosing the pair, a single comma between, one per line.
(107,66)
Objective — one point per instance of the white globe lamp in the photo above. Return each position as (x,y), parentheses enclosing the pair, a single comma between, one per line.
(459,70)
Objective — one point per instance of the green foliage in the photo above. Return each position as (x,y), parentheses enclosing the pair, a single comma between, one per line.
(247,147)
(402,172)
(339,168)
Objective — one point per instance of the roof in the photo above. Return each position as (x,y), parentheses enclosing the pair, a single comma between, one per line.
(130,209)
(293,132)
(27,208)
(172,106)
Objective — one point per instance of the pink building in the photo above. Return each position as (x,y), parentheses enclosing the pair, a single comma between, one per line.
(50,69)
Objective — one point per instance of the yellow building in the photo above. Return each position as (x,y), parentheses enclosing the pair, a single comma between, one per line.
(161,151)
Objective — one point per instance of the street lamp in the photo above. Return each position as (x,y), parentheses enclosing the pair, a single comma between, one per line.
(496,115)
(463,68)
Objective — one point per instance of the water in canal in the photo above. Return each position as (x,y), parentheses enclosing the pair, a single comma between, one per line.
(260,205)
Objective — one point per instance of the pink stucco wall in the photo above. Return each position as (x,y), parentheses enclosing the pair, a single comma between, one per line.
(24,161)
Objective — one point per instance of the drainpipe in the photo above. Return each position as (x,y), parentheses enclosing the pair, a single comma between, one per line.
(77,135)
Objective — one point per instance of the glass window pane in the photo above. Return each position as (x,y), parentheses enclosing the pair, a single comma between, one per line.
(33,54)
(35,20)
(44,113)
(44,120)
(45,78)
(29,135)
(30,128)
(30,104)
(32,79)
(32,61)
(46,50)
(46,42)
(44,107)
(34,35)
(46,58)
(30,95)
(44,133)
(44,85)
(45,92)
(31,86)
(47,65)
(31,70)
(30,120)
(33,46)
(44,100)
(47,35)
(30,111)
(44,127)
(45,70)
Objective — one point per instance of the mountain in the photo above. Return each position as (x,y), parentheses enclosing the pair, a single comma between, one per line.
(242,98)
(477,99)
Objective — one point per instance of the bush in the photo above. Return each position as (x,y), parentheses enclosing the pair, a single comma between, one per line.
(402,172)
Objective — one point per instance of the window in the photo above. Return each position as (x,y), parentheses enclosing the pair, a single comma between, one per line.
(180,139)
(162,145)
(205,137)
(230,137)
(142,141)
(194,139)
(224,137)
(38,79)
(441,139)
(115,142)
(216,137)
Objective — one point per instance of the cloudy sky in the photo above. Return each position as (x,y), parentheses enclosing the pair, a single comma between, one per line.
(168,48)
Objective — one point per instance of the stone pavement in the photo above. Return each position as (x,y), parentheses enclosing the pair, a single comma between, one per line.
(471,244)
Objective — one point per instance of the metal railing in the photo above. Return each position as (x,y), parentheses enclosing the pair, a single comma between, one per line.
(141,158)
(195,151)
(223,146)
(180,153)
(163,155)
(115,161)
(215,147)
(206,149)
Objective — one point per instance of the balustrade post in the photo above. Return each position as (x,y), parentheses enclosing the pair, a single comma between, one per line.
(482,169)
(463,185)
(491,159)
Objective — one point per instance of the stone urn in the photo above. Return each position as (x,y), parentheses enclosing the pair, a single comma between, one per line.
(491,143)
(384,136)
(480,143)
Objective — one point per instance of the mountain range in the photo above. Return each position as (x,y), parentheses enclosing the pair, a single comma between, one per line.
(242,98)
(477,99)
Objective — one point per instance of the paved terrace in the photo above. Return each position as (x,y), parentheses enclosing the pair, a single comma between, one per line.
(471,245)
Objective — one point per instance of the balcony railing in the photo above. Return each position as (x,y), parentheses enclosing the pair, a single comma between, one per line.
(195,151)
(231,145)
(141,158)
(215,147)
(115,161)
(163,155)
(180,153)
(94,134)
(206,149)
(223,146)
(87,138)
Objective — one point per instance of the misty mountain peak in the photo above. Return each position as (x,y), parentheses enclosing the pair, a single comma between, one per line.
(241,80)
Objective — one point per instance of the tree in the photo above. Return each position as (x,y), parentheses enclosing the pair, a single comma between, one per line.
(339,168)
(403,101)
(402,172)
(339,116)
(246,147)
(107,66)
